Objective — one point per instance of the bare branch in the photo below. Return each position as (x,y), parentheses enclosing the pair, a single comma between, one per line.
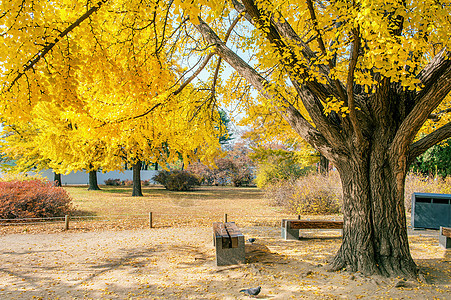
(350,85)
(436,117)
(195,74)
(133,117)
(428,141)
(436,79)
(290,114)
(207,59)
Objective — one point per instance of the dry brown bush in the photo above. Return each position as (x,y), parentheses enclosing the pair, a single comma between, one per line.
(312,194)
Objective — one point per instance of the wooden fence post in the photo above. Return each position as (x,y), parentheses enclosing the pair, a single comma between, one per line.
(66,222)
(225,218)
(150,220)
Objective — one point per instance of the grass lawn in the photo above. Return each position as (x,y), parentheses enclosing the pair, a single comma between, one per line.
(202,206)
(113,208)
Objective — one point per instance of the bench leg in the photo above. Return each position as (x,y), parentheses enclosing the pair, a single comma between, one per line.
(290,234)
(444,241)
(230,256)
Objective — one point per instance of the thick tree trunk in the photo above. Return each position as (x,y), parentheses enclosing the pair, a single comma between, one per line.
(57,179)
(93,181)
(323,165)
(137,192)
(371,146)
(375,233)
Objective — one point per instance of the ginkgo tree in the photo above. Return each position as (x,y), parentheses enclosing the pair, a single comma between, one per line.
(355,79)
(102,97)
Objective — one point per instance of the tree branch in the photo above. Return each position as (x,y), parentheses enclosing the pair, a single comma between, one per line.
(285,30)
(195,74)
(436,79)
(207,59)
(322,46)
(290,114)
(311,91)
(436,117)
(428,141)
(289,59)
(438,68)
(37,57)
(350,85)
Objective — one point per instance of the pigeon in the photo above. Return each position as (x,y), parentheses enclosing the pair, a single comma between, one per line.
(251,240)
(252,291)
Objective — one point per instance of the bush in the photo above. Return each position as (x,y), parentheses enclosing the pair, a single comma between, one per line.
(113,182)
(177,180)
(33,199)
(145,182)
(127,182)
(312,194)
(316,194)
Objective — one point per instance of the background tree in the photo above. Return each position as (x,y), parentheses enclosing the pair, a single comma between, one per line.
(435,161)
(93,186)
(234,167)
(280,164)
(90,118)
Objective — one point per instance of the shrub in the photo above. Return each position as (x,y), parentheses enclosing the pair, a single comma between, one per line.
(177,180)
(316,194)
(127,182)
(111,181)
(312,194)
(33,199)
(145,182)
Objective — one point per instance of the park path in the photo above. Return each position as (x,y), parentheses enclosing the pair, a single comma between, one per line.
(106,264)
(178,263)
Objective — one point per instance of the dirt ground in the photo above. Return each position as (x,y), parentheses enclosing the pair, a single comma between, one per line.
(179,263)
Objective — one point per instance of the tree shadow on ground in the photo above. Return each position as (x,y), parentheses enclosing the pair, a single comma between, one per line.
(435,270)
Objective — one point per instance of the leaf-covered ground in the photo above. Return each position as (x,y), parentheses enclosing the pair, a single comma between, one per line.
(106,259)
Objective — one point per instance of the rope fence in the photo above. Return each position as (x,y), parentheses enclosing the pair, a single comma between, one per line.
(149,218)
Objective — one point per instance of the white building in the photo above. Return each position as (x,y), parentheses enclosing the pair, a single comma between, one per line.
(79,178)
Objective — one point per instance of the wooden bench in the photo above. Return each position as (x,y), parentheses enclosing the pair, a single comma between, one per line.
(229,243)
(444,238)
(290,228)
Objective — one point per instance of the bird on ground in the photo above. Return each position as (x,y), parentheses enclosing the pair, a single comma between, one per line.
(252,291)
(251,240)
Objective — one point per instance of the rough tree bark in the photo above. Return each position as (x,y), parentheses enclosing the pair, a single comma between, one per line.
(323,165)
(137,192)
(93,186)
(371,148)
(57,179)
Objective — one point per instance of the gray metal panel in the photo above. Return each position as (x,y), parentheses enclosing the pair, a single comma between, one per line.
(423,215)
(430,210)
(440,214)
